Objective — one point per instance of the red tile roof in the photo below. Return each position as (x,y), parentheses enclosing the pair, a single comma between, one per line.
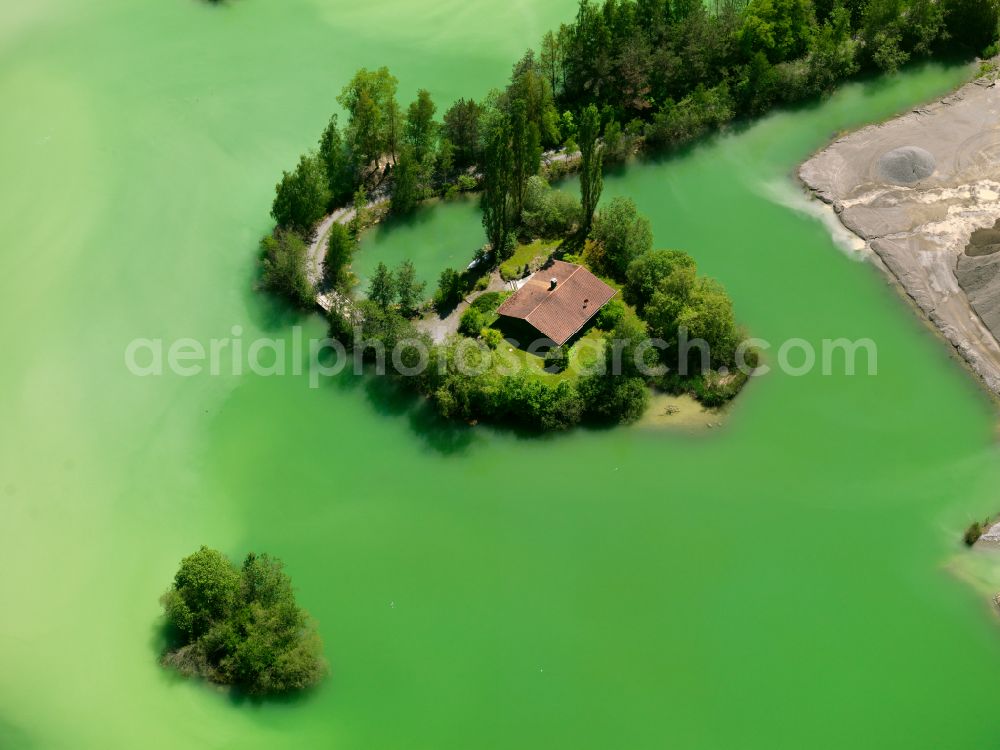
(560,312)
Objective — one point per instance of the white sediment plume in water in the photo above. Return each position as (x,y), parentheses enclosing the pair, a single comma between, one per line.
(783,193)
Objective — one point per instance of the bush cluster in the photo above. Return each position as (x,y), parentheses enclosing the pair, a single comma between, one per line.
(548,212)
(240,625)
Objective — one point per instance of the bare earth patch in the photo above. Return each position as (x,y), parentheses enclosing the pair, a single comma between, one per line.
(915,189)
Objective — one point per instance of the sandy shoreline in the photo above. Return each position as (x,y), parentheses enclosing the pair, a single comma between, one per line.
(915,189)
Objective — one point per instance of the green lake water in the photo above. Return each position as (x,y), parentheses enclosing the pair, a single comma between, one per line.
(780,582)
(437,236)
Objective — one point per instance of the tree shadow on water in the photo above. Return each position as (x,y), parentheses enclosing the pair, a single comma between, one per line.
(274,314)
(419,216)
(390,399)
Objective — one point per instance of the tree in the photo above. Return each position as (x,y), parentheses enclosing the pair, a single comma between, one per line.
(619,392)
(526,152)
(339,251)
(972,24)
(567,126)
(623,234)
(616,399)
(551,60)
(405,183)
(645,273)
(394,128)
(360,211)
(886,51)
(882,31)
(370,100)
(336,163)
(451,289)
(387,325)
(782,29)
(708,315)
(283,268)
(421,130)
(530,86)
(548,212)
(832,56)
(382,287)
(205,590)
(302,196)
(591,176)
(461,127)
(697,113)
(445,167)
(498,186)
(408,290)
(925,25)
(701,307)
(240,626)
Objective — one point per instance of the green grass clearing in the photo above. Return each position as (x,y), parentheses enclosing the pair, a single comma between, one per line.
(584,352)
(512,268)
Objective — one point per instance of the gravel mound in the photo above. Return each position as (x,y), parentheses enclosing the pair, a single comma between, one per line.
(906,165)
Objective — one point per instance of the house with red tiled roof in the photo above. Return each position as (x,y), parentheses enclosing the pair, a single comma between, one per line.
(558,300)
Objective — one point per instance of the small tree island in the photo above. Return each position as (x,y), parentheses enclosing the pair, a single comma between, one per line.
(240,626)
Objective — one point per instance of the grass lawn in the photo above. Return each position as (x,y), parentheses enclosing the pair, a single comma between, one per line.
(584,352)
(511,268)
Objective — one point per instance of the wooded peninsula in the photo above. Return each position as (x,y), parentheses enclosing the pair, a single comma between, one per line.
(624,76)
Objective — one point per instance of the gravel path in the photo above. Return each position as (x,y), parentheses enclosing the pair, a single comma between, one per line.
(327,298)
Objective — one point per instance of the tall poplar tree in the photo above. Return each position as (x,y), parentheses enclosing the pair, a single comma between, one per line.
(526,151)
(498,184)
(591,158)
(335,160)
(421,130)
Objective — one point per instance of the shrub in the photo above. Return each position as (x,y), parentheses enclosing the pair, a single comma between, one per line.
(623,234)
(489,302)
(617,144)
(694,115)
(492,337)
(341,327)
(548,212)
(610,315)
(614,398)
(711,388)
(976,529)
(557,359)
(471,322)
(466,183)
